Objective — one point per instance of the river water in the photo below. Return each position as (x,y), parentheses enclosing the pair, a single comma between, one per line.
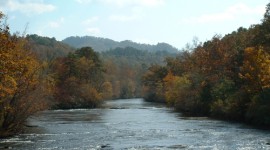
(133,124)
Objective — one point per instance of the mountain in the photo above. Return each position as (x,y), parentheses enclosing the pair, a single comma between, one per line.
(104,44)
(47,48)
(131,56)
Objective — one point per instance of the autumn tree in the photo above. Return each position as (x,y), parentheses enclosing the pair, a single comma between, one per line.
(256,70)
(22,88)
(256,75)
(125,67)
(226,77)
(153,84)
(79,80)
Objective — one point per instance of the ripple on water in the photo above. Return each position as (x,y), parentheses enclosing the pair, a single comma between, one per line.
(139,125)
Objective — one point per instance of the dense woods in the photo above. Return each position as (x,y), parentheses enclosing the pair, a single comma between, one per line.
(39,73)
(23,87)
(103,44)
(79,80)
(125,67)
(47,49)
(225,77)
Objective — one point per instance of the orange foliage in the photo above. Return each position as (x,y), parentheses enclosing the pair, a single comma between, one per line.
(256,69)
(21,88)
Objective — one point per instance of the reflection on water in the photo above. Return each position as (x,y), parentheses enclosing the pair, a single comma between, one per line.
(133,124)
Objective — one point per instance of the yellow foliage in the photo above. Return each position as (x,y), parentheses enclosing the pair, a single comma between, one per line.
(20,91)
(256,69)
(175,87)
(107,90)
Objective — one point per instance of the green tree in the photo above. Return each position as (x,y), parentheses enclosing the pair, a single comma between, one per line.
(79,79)
(153,85)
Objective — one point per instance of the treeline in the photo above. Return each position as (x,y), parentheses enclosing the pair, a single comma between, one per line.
(125,67)
(38,73)
(226,77)
(47,49)
(104,44)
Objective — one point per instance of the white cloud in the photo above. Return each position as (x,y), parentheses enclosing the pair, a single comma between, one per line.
(152,2)
(123,18)
(136,14)
(208,18)
(56,24)
(28,7)
(93,30)
(244,9)
(88,23)
(84,1)
(231,13)
(90,20)
(125,3)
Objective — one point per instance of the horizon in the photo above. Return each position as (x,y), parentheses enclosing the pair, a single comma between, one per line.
(142,21)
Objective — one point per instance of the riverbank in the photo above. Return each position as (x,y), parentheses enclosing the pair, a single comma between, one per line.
(195,113)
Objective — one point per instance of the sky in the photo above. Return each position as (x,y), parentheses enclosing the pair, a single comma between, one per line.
(176,22)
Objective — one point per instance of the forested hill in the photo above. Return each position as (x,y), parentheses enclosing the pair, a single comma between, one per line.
(47,48)
(124,66)
(104,44)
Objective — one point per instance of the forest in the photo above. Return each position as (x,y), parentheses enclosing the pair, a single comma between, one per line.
(103,44)
(40,73)
(227,77)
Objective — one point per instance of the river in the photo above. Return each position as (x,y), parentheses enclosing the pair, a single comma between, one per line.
(133,124)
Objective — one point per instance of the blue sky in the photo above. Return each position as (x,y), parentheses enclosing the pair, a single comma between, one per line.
(175,22)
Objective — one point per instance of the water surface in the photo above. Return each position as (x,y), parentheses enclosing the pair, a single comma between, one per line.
(133,124)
